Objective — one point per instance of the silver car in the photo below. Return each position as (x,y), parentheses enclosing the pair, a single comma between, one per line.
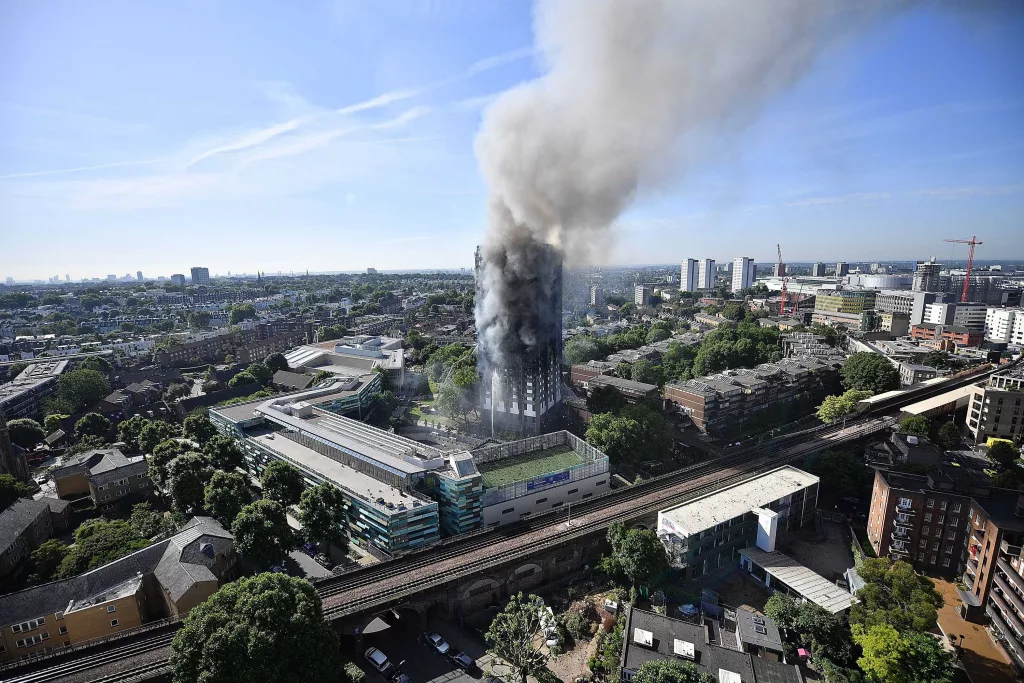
(437,642)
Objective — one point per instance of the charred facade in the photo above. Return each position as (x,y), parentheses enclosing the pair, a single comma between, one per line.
(520,340)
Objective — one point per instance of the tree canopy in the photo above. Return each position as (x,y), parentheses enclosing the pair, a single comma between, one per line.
(11,490)
(605,399)
(261,532)
(867,371)
(25,432)
(225,494)
(282,482)
(322,514)
(154,432)
(671,671)
(891,656)
(224,453)
(97,543)
(511,636)
(917,425)
(47,558)
(275,362)
(92,424)
(79,389)
(187,475)
(198,428)
(635,434)
(150,524)
(269,627)
(896,595)
(837,406)
(635,553)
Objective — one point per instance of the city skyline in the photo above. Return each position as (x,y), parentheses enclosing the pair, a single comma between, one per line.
(357,149)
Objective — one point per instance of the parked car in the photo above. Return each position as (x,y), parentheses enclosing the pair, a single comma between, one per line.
(323,561)
(377,659)
(435,641)
(310,549)
(277,569)
(463,661)
(399,677)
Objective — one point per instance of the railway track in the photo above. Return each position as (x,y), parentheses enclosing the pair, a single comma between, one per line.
(88,662)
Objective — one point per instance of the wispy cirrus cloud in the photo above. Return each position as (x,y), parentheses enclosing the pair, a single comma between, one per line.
(961,192)
(79,169)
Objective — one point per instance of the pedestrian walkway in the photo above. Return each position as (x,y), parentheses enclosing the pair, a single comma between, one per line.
(982,659)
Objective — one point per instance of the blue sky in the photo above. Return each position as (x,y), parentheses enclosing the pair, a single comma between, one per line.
(339,135)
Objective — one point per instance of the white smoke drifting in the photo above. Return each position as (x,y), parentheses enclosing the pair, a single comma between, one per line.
(631,89)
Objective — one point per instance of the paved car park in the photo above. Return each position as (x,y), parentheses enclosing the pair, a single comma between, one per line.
(403,644)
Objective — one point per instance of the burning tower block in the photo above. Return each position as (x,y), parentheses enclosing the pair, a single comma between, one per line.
(519,331)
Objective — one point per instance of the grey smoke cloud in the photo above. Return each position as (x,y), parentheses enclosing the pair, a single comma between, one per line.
(632,89)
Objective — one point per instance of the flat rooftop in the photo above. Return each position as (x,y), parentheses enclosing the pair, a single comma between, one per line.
(808,583)
(527,466)
(721,506)
(344,477)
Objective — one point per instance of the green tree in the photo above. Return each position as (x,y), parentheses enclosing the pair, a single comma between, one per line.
(161,457)
(322,514)
(1001,452)
(187,475)
(176,391)
(15,369)
(261,532)
(155,432)
(98,543)
(199,320)
(605,399)
(580,349)
(25,432)
(841,472)
(867,371)
(225,495)
(671,671)
(85,444)
(658,333)
(11,490)
(275,362)
(52,422)
(198,428)
(917,425)
(949,436)
(512,637)
(148,523)
(282,482)
(243,378)
(79,389)
(129,430)
(450,402)
(890,656)
(261,372)
(836,407)
(647,372)
(267,628)
(783,610)
(97,363)
(240,312)
(92,424)
(638,554)
(825,632)
(224,453)
(620,438)
(894,594)
(47,558)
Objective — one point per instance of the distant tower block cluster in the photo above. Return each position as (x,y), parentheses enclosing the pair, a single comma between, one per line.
(521,387)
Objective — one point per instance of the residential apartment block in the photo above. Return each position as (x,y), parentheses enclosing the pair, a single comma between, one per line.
(108,476)
(969,315)
(166,579)
(707,533)
(25,525)
(1006,602)
(996,410)
(1000,323)
(741,400)
(955,334)
(706,274)
(24,396)
(642,295)
(743,271)
(842,306)
(688,276)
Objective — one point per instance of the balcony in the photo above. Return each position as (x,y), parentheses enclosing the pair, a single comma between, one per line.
(1007,614)
(978,533)
(972,566)
(900,534)
(901,552)
(1011,577)
(905,509)
(1006,635)
(968,578)
(1010,549)
(1009,595)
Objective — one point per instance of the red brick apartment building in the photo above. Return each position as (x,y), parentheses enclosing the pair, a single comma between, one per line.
(959,527)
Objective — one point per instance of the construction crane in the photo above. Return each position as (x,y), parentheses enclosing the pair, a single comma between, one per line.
(782,272)
(970,260)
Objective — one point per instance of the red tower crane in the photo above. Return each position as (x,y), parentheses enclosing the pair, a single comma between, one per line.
(970,260)
(782,300)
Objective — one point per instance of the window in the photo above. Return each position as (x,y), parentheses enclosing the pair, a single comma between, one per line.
(927,516)
(949,548)
(926,530)
(603,481)
(62,630)
(541,500)
(923,544)
(28,625)
(113,622)
(935,547)
(111,609)
(942,505)
(920,557)
(955,521)
(945,562)
(930,503)
(504,512)
(941,519)
(905,502)
(571,491)
(59,615)
(951,534)
(934,558)
(956,507)
(3,649)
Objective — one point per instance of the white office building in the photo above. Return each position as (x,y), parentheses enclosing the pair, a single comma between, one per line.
(742,273)
(999,323)
(706,274)
(688,281)
(969,315)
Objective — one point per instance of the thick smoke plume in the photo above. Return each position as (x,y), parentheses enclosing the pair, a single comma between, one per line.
(631,90)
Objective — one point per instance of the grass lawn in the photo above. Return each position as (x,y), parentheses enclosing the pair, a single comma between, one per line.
(528,466)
